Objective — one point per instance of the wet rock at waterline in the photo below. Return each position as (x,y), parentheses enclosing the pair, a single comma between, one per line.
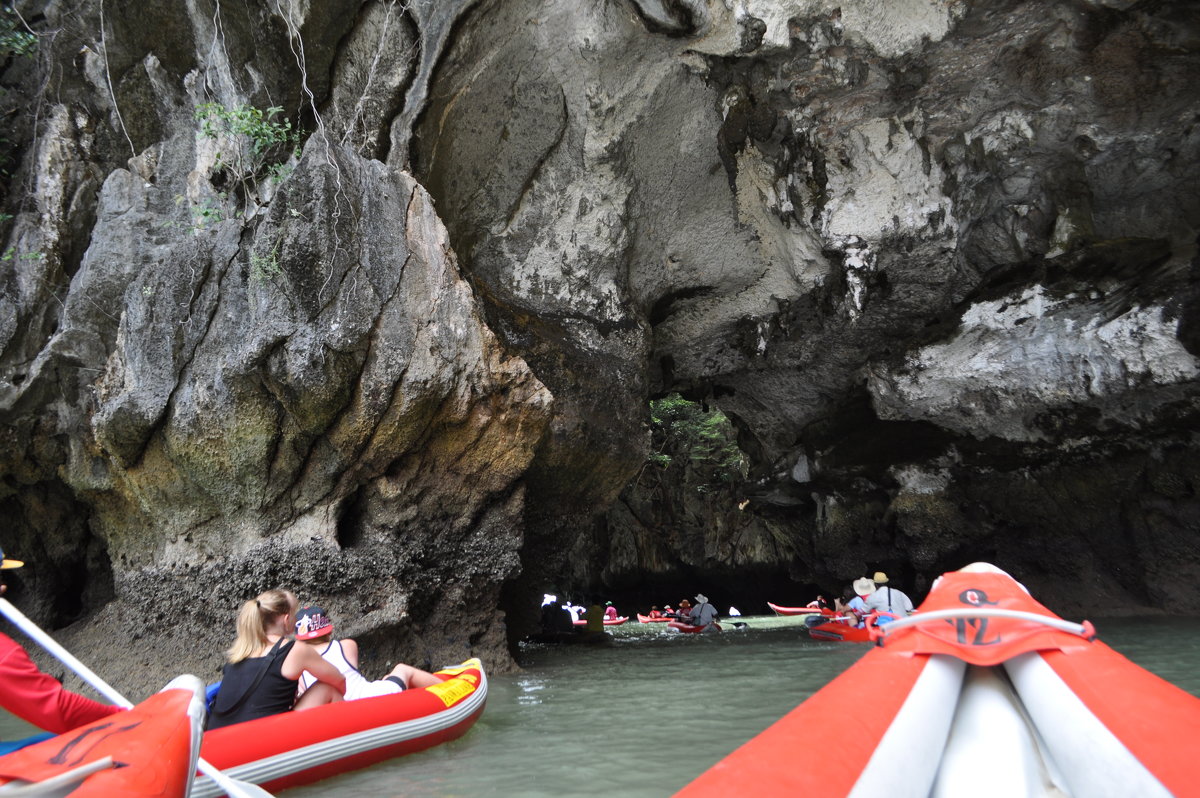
(372,299)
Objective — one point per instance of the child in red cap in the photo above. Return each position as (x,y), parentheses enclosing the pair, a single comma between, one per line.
(315,628)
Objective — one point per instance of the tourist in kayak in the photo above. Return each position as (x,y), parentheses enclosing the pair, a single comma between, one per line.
(610,612)
(594,615)
(703,614)
(655,612)
(576,610)
(264,666)
(314,628)
(856,608)
(38,697)
(887,601)
(555,617)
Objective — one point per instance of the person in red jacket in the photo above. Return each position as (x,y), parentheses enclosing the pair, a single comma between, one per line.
(38,697)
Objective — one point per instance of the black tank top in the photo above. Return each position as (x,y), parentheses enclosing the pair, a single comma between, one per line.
(273,693)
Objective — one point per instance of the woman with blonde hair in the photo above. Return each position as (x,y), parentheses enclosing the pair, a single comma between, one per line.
(264,665)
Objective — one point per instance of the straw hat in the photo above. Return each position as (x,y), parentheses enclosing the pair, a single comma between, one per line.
(880,578)
(864,586)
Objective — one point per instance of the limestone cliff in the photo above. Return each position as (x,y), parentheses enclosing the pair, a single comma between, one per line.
(369,298)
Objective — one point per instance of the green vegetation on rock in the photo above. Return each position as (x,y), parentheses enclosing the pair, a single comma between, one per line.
(15,38)
(257,144)
(700,441)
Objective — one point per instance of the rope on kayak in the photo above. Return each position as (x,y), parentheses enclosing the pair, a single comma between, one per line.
(61,783)
(1084,630)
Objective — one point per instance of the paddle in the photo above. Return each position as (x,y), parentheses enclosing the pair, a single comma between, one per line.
(235,788)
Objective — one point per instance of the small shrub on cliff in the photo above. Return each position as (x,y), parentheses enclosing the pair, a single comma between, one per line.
(264,267)
(15,38)
(702,442)
(256,142)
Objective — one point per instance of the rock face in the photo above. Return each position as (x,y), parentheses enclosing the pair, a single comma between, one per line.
(934,260)
(369,299)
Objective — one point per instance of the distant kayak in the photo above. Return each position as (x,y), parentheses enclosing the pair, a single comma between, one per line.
(607,621)
(647,619)
(838,631)
(831,626)
(687,628)
(792,610)
(983,691)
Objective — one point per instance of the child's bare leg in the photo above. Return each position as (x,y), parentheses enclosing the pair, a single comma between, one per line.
(320,693)
(414,677)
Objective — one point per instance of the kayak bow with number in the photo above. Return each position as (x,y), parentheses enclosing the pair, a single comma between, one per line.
(982,692)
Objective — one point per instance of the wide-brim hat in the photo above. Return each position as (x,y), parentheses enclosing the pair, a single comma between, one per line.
(880,578)
(864,586)
(7,563)
(700,597)
(312,622)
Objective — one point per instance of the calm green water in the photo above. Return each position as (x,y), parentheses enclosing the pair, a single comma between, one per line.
(642,716)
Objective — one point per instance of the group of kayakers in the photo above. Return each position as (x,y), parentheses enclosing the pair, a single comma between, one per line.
(565,617)
(702,613)
(871,595)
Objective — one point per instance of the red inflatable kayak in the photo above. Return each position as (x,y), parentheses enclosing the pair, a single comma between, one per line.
(149,751)
(838,631)
(295,748)
(792,610)
(687,628)
(647,619)
(982,691)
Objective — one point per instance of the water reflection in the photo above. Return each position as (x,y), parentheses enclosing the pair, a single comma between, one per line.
(530,688)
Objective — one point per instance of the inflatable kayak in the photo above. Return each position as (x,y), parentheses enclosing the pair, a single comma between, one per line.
(792,610)
(295,748)
(607,621)
(838,631)
(151,750)
(687,628)
(982,692)
(647,619)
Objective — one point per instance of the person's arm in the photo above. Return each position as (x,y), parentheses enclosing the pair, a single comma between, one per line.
(350,649)
(38,698)
(305,658)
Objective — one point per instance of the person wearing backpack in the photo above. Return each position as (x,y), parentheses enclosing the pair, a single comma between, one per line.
(889,602)
(703,614)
